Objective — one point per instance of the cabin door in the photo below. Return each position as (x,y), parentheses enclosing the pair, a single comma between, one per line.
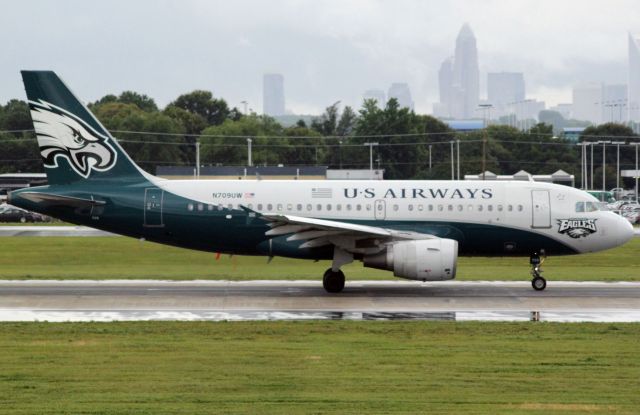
(380,210)
(153,198)
(541,208)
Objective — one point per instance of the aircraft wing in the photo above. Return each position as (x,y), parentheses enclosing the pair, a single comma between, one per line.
(351,237)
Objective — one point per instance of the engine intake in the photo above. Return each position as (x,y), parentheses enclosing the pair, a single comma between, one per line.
(423,260)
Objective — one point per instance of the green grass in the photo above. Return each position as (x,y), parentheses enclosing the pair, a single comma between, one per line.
(126,258)
(319,368)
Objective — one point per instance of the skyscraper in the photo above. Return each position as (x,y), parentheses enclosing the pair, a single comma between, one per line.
(587,99)
(503,89)
(376,94)
(633,88)
(459,78)
(401,92)
(273,94)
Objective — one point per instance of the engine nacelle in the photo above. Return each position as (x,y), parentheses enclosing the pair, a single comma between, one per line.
(423,260)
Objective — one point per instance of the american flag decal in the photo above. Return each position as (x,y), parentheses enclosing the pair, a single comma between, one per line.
(321,193)
(249,195)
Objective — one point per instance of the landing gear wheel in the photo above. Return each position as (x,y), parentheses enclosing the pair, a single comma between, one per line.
(539,283)
(333,282)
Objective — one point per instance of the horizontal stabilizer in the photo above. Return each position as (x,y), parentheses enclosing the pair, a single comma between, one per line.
(50,199)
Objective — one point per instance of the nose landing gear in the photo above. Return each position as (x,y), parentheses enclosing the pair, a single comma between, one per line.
(538,282)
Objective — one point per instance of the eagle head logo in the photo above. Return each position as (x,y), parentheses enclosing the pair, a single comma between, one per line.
(63,135)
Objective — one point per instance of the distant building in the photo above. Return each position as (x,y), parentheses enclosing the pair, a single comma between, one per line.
(376,94)
(587,100)
(633,92)
(528,109)
(566,110)
(401,92)
(465,125)
(504,88)
(273,94)
(572,133)
(459,79)
(614,103)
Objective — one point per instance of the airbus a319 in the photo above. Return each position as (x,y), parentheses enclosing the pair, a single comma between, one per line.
(414,228)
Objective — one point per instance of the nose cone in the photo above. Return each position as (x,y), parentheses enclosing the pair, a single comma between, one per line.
(624,230)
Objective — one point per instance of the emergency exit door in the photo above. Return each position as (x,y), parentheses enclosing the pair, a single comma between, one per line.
(541,208)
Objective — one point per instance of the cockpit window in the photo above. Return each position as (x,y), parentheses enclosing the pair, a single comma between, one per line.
(591,207)
(587,207)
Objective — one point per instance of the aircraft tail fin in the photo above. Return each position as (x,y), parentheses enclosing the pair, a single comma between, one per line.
(74,145)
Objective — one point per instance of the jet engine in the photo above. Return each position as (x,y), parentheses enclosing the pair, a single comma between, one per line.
(424,260)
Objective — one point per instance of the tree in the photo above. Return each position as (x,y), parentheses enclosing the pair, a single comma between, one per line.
(214,111)
(191,122)
(142,101)
(15,117)
(226,143)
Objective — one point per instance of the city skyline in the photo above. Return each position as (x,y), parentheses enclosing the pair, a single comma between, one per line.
(328,51)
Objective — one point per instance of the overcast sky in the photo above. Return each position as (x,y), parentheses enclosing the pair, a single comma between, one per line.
(326,50)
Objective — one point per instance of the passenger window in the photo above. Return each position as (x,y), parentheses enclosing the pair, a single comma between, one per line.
(250,206)
(395,208)
(420,208)
(318,207)
(269,207)
(200,207)
(210,207)
(230,206)
(220,207)
(358,207)
(289,206)
(440,208)
(480,207)
(259,206)
(470,208)
(368,206)
(591,207)
(510,208)
(580,207)
(190,207)
(309,207)
(450,208)
(520,207)
(430,208)
(490,208)
(328,206)
(460,208)
(338,207)
(410,208)
(499,208)
(349,206)
(299,206)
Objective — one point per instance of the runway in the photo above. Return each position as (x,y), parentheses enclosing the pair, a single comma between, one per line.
(293,300)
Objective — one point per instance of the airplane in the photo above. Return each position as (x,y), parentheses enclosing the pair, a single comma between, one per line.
(415,228)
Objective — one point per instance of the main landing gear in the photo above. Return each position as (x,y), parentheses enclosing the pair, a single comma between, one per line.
(333,280)
(538,282)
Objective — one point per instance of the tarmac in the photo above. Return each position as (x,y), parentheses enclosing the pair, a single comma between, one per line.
(127,300)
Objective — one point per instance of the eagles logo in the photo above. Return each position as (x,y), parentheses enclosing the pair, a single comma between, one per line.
(577,228)
(63,135)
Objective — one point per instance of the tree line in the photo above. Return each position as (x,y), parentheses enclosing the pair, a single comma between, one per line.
(156,136)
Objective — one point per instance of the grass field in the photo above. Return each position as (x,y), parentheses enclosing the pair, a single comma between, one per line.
(126,258)
(319,367)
